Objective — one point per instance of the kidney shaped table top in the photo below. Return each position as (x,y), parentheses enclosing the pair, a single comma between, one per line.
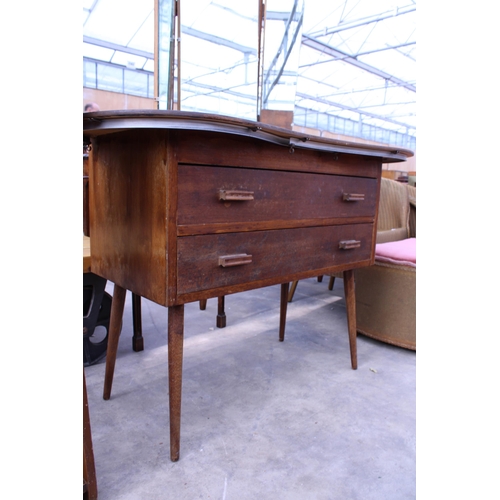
(189,206)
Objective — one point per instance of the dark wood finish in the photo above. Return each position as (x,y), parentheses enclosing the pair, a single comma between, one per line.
(137,339)
(283,309)
(173,192)
(115,325)
(291,293)
(175,350)
(221,313)
(274,254)
(129,194)
(331,282)
(210,148)
(291,196)
(86,216)
(292,290)
(350,301)
(89,475)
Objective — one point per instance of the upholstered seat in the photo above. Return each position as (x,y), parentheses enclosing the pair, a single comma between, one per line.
(386,294)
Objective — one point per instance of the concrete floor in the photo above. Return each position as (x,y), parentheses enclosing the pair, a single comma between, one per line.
(261,419)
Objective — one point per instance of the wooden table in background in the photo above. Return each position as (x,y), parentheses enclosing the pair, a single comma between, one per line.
(89,476)
(86,254)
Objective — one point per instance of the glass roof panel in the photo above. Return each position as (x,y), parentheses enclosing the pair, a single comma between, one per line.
(118,21)
(143,38)
(149,66)
(221,18)
(96,52)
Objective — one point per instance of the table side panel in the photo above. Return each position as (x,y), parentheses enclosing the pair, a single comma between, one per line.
(129,211)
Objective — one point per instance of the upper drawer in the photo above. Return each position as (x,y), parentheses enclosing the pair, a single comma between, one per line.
(228,195)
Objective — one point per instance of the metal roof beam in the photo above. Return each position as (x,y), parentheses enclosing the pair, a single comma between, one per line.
(364,21)
(324,48)
(388,47)
(186,30)
(382,49)
(281,16)
(120,48)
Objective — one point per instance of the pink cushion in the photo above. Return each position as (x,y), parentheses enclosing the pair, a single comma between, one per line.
(403,252)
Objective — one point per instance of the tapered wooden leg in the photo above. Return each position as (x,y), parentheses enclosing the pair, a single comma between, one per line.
(89,476)
(283,307)
(175,350)
(221,313)
(115,325)
(203,304)
(137,339)
(331,282)
(292,290)
(350,301)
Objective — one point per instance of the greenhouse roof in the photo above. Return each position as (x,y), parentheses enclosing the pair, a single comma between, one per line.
(357,58)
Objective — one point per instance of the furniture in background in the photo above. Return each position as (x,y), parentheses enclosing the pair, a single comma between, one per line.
(394,211)
(386,291)
(397,175)
(386,295)
(96,311)
(89,475)
(188,206)
(86,217)
(293,286)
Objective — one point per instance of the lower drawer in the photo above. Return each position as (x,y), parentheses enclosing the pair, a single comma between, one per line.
(217,260)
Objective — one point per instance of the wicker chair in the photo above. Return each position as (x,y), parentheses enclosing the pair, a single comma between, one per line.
(386,291)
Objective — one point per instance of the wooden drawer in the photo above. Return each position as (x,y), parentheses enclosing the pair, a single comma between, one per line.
(209,195)
(265,255)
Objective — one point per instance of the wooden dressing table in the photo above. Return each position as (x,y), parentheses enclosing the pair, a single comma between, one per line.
(188,206)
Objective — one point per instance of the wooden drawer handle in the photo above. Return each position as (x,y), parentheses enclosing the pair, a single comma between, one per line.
(353,197)
(238,259)
(349,244)
(234,195)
